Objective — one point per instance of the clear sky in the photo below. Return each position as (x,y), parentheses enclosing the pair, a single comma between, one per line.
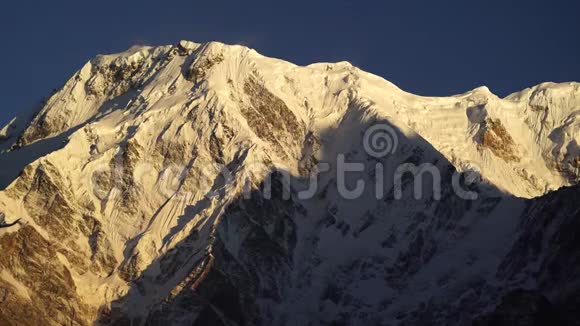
(425,47)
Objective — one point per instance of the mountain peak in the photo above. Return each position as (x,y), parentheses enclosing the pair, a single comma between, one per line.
(144,80)
(187,45)
(167,184)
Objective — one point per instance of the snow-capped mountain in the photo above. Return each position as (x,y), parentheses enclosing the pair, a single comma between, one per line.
(163,185)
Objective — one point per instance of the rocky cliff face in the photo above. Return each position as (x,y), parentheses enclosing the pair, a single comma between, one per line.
(165,185)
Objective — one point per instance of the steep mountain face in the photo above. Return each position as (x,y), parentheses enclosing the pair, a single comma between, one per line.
(165,185)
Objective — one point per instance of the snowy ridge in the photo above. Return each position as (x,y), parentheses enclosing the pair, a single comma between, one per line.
(117,173)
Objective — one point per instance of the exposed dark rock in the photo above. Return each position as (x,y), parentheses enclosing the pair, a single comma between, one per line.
(496,138)
(270,118)
(197,72)
(33,261)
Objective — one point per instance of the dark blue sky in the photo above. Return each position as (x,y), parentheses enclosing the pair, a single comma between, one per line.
(427,47)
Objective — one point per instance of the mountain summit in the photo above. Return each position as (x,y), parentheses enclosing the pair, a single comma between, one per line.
(169,185)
